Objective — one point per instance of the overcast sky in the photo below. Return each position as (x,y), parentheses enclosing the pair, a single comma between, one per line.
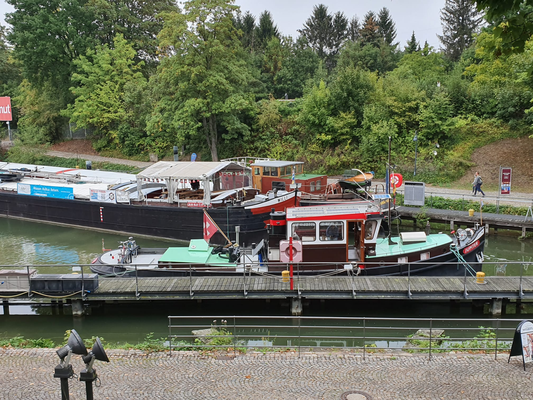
(422,16)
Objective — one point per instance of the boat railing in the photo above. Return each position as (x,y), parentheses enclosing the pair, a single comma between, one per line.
(364,336)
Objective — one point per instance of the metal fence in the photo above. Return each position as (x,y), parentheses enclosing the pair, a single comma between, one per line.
(362,335)
(506,279)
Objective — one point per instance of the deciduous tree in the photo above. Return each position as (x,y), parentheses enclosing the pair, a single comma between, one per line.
(202,85)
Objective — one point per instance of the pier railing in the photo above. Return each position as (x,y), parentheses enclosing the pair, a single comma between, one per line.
(360,335)
(511,280)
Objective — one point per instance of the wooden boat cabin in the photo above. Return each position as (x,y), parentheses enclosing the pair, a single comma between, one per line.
(330,233)
(272,174)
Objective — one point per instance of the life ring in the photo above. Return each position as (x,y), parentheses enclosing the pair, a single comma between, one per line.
(285,251)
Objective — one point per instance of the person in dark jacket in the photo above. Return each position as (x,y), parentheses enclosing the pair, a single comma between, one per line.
(477,184)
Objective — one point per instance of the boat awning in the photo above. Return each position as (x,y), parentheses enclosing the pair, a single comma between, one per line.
(275,163)
(200,170)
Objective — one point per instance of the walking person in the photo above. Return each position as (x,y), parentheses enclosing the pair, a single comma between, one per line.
(477,184)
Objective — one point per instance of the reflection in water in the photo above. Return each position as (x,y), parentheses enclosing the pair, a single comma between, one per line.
(27,243)
(31,243)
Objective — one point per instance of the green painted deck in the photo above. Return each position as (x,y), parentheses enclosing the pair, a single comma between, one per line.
(384,249)
(198,252)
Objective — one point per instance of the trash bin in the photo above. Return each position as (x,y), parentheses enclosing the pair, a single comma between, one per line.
(480,277)
(285,276)
(471,212)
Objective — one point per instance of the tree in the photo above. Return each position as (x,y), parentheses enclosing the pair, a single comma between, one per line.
(353,29)
(512,21)
(386,26)
(201,87)
(299,65)
(460,21)
(47,38)
(138,21)
(325,33)
(266,29)
(369,33)
(247,25)
(102,76)
(412,45)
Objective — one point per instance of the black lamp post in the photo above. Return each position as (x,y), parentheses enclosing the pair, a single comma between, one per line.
(415,139)
(88,375)
(64,370)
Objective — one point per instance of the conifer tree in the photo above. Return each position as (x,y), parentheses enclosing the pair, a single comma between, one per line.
(266,29)
(369,33)
(412,44)
(460,20)
(386,26)
(353,29)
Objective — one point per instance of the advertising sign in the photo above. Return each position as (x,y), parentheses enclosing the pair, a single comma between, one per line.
(105,196)
(523,342)
(505,179)
(45,191)
(5,109)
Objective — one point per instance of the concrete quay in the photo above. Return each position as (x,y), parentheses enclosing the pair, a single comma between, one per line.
(28,374)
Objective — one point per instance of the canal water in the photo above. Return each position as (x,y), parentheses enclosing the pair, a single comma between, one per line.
(29,243)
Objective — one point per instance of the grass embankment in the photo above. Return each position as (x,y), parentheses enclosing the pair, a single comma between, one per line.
(221,339)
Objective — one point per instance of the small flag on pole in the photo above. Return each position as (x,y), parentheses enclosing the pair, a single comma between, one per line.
(293,175)
(210,228)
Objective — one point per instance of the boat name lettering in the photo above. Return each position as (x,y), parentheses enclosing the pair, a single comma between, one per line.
(195,204)
(468,249)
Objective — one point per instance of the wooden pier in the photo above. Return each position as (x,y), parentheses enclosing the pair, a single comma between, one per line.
(496,289)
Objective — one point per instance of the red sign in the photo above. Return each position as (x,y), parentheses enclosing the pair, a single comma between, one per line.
(209,227)
(396,180)
(5,109)
(505,178)
(471,247)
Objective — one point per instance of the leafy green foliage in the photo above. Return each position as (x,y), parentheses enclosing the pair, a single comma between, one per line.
(202,84)
(104,76)
(22,342)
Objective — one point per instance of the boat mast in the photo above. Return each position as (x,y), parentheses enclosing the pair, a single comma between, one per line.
(388,190)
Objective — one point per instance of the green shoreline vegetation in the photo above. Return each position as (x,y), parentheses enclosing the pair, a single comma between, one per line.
(330,97)
(221,339)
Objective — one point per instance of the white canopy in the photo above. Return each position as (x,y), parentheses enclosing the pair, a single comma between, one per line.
(188,169)
(204,171)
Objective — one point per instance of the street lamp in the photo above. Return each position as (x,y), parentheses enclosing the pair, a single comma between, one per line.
(415,139)
(64,369)
(88,375)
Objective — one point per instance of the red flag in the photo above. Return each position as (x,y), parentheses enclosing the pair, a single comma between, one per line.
(210,227)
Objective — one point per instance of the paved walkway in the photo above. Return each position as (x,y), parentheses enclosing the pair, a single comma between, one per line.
(64,154)
(28,374)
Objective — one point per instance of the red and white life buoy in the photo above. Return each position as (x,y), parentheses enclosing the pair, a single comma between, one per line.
(285,251)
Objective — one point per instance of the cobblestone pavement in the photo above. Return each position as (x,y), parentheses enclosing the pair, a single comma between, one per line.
(28,374)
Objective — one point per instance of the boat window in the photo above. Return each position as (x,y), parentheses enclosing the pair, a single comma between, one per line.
(312,186)
(287,171)
(304,231)
(370,228)
(257,171)
(299,169)
(331,230)
(271,171)
(318,185)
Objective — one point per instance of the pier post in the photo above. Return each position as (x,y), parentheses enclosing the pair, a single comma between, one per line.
(77,308)
(497,307)
(5,304)
(296,306)
(487,229)
(451,225)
